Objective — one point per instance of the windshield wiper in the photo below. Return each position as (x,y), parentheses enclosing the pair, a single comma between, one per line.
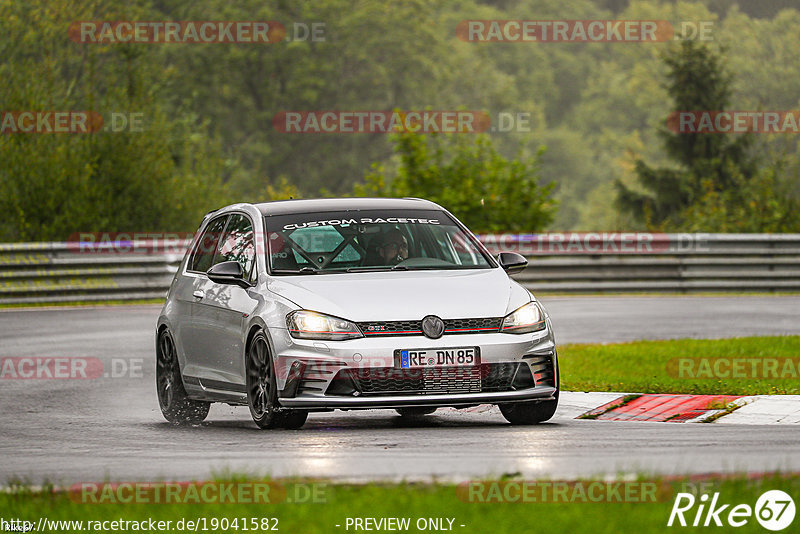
(302,270)
(375,269)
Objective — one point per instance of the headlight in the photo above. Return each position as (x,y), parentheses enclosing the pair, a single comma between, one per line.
(528,318)
(305,324)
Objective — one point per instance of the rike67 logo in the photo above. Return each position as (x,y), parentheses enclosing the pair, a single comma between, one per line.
(774,510)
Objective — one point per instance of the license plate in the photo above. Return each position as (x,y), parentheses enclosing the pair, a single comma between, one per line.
(447,357)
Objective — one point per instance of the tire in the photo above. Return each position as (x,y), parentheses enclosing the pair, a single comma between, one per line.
(175,404)
(415,412)
(294,419)
(529,413)
(262,390)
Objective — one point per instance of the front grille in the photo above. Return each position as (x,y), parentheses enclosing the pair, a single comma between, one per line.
(452,380)
(414,328)
(488,377)
(391,328)
(499,376)
(388,380)
(472,326)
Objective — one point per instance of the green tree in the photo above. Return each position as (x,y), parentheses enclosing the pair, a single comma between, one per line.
(764,203)
(696,80)
(210,137)
(163,177)
(466,175)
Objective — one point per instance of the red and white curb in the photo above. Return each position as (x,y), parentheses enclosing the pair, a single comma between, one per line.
(573,404)
(733,409)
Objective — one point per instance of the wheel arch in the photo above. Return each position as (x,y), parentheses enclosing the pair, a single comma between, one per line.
(163,325)
(253,329)
(251,333)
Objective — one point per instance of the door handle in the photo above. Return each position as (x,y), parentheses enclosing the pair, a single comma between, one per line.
(198,294)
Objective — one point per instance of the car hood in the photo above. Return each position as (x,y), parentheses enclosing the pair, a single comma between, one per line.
(405,295)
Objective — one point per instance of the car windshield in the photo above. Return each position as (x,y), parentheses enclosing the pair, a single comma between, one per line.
(379,240)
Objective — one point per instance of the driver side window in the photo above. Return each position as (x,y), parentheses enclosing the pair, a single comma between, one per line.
(203,256)
(238,244)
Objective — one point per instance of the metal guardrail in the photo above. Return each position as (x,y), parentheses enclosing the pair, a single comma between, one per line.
(33,273)
(640,262)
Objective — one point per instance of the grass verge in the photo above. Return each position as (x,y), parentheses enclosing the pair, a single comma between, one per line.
(738,366)
(569,510)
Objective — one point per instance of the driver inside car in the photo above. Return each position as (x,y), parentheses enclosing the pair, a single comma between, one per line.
(393,248)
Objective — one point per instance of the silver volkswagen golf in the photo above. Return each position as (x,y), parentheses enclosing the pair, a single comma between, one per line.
(297,306)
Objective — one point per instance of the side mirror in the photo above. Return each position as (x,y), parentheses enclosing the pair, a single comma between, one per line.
(228,272)
(511,262)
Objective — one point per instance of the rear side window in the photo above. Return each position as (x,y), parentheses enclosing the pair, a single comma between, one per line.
(237,244)
(203,256)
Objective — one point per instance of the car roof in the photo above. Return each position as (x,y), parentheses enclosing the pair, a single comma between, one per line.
(316,205)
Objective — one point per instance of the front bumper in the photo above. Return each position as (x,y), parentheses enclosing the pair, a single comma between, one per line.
(537,393)
(306,371)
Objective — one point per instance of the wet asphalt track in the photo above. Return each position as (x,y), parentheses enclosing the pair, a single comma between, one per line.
(89,430)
